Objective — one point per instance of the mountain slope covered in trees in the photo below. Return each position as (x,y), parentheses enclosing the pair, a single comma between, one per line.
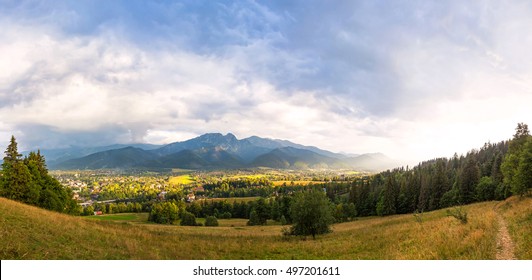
(493,172)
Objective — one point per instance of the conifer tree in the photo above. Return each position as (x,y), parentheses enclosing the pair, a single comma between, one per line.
(469,180)
(16,178)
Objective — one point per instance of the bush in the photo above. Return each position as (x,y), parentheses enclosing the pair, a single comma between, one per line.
(254,219)
(211,221)
(283,220)
(188,219)
(458,213)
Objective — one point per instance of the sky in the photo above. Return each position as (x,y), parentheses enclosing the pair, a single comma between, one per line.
(412,79)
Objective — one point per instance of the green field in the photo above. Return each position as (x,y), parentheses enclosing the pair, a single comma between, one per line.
(31,233)
(131,217)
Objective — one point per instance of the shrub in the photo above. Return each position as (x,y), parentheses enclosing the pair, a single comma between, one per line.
(458,213)
(211,221)
(188,219)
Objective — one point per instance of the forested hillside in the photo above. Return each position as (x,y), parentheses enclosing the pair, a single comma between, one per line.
(27,180)
(493,172)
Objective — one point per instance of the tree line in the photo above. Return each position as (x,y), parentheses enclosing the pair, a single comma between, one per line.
(494,172)
(27,180)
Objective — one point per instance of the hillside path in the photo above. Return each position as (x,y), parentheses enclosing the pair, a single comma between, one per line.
(505,245)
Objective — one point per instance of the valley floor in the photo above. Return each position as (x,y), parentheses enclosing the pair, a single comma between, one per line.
(31,233)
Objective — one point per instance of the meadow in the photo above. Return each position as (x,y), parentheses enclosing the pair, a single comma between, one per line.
(31,233)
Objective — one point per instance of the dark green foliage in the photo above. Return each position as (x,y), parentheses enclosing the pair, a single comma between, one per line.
(161,213)
(485,189)
(226,215)
(469,180)
(350,210)
(449,198)
(27,180)
(283,221)
(311,214)
(523,176)
(260,213)
(254,219)
(517,162)
(390,196)
(188,219)
(211,221)
(440,184)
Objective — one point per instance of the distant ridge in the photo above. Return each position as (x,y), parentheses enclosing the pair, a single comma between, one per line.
(215,151)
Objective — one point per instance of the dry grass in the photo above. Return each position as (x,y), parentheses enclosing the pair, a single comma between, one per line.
(517,211)
(31,233)
(181,180)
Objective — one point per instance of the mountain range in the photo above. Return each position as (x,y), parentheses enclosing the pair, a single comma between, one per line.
(213,151)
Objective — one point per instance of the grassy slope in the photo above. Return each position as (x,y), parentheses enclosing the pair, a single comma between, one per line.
(30,233)
(517,211)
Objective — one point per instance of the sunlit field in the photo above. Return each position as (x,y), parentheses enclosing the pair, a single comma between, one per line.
(32,233)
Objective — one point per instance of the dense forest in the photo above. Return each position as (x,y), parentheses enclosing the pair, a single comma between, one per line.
(494,172)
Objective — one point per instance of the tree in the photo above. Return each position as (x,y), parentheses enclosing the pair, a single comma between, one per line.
(211,221)
(88,211)
(469,180)
(512,161)
(351,211)
(339,213)
(439,185)
(523,174)
(254,219)
(311,214)
(485,189)
(16,179)
(282,220)
(188,219)
(164,213)
(12,154)
(260,213)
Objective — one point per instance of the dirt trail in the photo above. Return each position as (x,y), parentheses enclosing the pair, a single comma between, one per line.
(505,245)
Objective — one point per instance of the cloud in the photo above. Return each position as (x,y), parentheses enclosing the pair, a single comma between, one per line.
(413,80)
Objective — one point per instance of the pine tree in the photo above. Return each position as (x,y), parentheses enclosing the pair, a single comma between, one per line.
(12,155)
(16,179)
(469,180)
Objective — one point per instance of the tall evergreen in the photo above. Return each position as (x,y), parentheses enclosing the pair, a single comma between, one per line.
(469,180)
(16,179)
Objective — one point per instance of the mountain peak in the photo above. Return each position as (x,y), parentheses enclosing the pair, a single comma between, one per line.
(230,136)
